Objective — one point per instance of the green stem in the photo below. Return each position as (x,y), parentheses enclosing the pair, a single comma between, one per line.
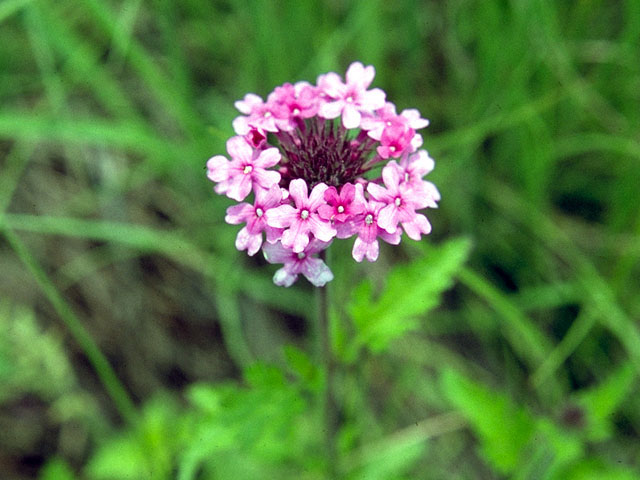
(112,384)
(328,362)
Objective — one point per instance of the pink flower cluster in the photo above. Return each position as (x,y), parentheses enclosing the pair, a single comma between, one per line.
(307,154)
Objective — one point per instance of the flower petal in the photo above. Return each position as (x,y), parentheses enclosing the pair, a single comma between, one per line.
(351,116)
(418,225)
(218,168)
(276,253)
(388,218)
(331,109)
(316,271)
(379,193)
(317,197)
(239,213)
(281,217)
(283,278)
(265,178)
(321,229)
(267,158)
(239,149)
(299,192)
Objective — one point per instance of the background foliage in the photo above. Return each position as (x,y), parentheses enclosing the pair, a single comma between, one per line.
(506,344)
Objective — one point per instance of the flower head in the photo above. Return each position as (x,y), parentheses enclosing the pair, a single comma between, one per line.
(307,153)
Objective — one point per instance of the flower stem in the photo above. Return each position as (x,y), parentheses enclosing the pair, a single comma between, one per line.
(327,360)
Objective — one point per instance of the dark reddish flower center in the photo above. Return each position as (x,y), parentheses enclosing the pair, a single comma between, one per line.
(322,151)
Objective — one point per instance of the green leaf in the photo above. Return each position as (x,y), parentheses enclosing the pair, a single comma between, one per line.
(596,469)
(504,429)
(302,366)
(411,290)
(602,401)
(56,469)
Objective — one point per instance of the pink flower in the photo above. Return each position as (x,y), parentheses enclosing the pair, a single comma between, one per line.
(387,117)
(303,219)
(290,145)
(415,166)
(292,103)
(352,98)
(340,208)
(250,236)
(314,269)
(400,200)
(395,140)
(368,230)
(259,115)
(247,168)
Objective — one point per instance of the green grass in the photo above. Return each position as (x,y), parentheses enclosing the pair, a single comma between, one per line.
(113,245)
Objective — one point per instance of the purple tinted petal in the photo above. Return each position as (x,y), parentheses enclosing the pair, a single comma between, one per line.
(316,246)
(273,234)
(392,238)
(276,253)
(316,271)
(281,217)
(283,278)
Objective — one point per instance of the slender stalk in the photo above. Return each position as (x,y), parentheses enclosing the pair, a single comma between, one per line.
(328,362)
(101,365)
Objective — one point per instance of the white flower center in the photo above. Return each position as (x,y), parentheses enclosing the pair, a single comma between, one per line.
(349,99)
(406,176)
(304,214)
(388,123)
(392,148)
(340,209)
(259,212)
(247,169)
(368,219)
(296,111)
(267,114)
(398,201)
(301,255)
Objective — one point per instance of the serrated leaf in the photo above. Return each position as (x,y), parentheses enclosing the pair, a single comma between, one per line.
(411,290)
(504,429)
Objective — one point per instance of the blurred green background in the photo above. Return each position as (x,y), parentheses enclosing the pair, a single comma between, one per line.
(136,342)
